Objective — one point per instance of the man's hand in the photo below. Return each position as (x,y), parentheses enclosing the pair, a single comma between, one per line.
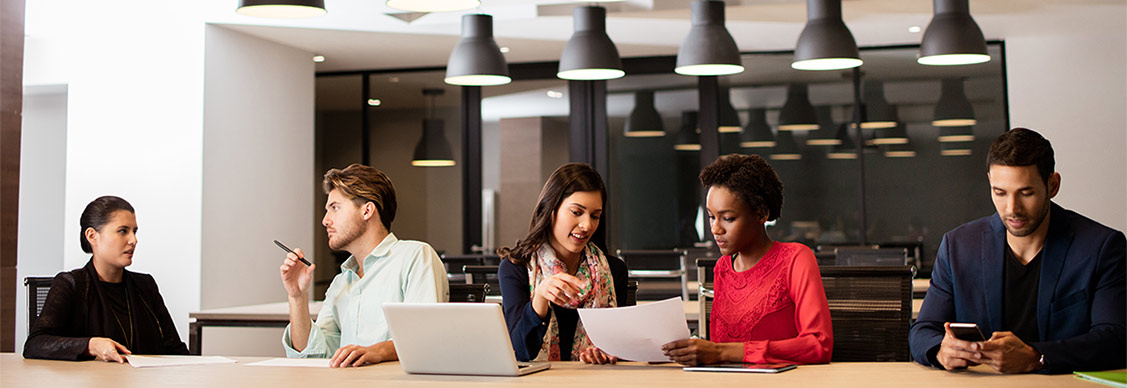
(1008,354)
(955,353)
(296,277)
(106,349)
(356,355)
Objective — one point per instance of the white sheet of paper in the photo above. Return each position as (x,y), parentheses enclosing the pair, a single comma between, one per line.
(150,361)
(298,362)
(636,333)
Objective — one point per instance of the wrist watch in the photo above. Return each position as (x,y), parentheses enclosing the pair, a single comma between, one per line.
(1041,362)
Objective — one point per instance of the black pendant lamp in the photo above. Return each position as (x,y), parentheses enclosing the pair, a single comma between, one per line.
(847,150)
(433,149)
(953,108)
(826,135)
(879,114)
(589,54)
(729,119)
(894,135)
(477,60)
(688,138)
(955,149)
(956,134)
(952,37)
(757,134)
(644,121)
(432,5)
(797,113)
(281,9)
(899,151)
(787,148)
(708,49)
(825,43)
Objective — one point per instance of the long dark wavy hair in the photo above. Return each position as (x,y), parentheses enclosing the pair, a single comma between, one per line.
(565,181)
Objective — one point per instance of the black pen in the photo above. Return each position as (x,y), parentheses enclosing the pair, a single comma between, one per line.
(287,249)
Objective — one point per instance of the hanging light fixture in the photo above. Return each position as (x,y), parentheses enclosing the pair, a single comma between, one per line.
(281,9)
(825,43)
(952,37)
(589,54)
(827,133)
(954,149)
(688,138)
(953,108)
(757,134)
(433,149)
(644,121)
(956,134)
(432,5)
(878,112)
(729,119)
(708,49)
(787,148)
(899,151)
(847,149)
(476,60)
(797,113)
(894,135)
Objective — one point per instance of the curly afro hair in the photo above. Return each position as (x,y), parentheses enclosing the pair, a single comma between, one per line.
(750,177)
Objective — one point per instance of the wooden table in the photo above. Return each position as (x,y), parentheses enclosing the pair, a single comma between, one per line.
(20,373)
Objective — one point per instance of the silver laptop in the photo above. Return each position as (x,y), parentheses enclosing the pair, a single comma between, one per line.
(454,339)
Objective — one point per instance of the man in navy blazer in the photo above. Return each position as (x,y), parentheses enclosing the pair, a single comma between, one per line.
(1046,284)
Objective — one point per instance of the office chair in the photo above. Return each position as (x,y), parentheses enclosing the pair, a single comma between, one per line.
(37,288)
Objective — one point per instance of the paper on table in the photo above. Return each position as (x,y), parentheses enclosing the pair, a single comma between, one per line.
(149,361)
(636,333)
(299,362)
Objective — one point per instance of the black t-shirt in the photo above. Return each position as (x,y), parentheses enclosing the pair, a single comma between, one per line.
(120,327)
(1019,296)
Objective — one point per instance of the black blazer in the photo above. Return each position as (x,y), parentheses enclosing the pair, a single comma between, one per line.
(76,310)
(1080,298)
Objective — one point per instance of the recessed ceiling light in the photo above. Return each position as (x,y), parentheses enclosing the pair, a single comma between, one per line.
(914,29)
(393,80)
(555,94)
(318,58)
(374,102)
(504,49)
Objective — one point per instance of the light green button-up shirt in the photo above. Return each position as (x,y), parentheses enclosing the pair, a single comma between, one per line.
(352,314)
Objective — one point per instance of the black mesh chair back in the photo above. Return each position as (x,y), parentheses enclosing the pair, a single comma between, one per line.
(658,266)
(705,273)
(455,263)
(483,274)
(631,293)
(871,309)
(474,293)
(870,256)
(37,288)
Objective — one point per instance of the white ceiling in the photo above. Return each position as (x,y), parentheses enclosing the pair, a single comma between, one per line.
(359,34)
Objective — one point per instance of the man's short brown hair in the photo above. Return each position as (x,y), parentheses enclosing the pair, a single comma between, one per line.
(362,184)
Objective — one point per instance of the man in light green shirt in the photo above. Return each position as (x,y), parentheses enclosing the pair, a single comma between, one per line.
(351,327)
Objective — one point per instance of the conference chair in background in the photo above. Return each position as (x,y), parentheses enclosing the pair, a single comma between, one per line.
(483,274)
(37,288)
(871,310)
(705,267)
(474,293)
(656,265)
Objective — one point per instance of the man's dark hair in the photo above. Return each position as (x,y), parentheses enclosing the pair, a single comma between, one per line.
(1020,147)
(749,177)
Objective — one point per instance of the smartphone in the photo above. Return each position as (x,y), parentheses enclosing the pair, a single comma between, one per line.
(967,332)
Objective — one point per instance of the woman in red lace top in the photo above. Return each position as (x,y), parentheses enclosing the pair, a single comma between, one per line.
(770,305)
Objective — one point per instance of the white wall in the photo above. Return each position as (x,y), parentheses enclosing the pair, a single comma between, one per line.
(1067,80)
(257,164)
(42,187)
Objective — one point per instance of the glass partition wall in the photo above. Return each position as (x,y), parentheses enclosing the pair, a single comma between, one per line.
(922,170)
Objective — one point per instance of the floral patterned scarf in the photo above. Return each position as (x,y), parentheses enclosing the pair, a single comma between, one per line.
(594,271)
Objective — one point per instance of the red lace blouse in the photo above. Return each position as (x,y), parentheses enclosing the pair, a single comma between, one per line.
(777,308)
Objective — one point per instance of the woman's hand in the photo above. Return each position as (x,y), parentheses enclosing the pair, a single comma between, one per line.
(560,289)
(296,276)
(593,355)
(695,351)
(106,349)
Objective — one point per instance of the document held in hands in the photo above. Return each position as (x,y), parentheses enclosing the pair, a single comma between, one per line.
(636,333)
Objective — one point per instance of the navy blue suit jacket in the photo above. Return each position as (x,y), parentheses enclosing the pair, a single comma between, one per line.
(1080,297)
